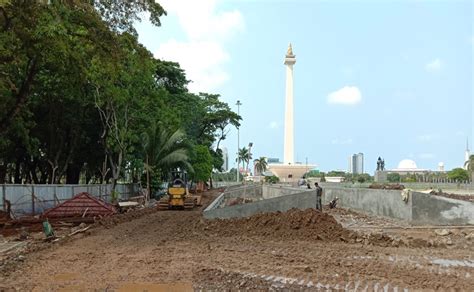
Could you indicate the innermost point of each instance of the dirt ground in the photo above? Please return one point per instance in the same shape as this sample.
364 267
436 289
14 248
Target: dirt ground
296 250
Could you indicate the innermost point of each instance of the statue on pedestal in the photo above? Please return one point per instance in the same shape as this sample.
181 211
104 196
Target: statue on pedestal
380 164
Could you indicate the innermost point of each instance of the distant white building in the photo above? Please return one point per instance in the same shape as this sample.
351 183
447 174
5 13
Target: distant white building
467 154
407 166
225 157
441 166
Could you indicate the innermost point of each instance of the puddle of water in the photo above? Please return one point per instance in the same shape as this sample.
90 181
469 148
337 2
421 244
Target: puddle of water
151 287
453 263
66 277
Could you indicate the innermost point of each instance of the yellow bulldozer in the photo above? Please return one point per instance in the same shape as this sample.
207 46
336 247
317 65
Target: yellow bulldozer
178 196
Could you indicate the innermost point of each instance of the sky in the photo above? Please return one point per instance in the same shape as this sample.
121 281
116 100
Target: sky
385 78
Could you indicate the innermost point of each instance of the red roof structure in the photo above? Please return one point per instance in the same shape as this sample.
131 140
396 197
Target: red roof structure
82 204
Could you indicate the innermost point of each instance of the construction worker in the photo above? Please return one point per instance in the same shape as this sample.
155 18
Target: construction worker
319 194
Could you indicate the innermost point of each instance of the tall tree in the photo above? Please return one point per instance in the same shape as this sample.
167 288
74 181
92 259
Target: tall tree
202 164
245 156
164 150
469 165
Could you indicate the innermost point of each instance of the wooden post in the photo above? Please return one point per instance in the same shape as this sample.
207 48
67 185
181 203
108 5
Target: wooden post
33 199
56 200
3 197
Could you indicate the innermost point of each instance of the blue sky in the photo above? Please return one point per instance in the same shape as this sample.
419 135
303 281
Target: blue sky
399 74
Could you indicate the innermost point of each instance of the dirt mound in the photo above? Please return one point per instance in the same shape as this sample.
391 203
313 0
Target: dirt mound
467 198
386 186
293 224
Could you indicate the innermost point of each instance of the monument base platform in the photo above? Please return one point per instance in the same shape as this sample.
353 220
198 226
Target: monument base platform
380 176
290 173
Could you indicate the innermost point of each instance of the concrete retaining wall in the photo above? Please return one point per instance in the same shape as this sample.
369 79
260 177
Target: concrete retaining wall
420 208
282 203
387 203
429 209
273 191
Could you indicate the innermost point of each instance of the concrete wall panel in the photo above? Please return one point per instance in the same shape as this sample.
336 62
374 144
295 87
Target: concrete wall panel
387 203
283 203
429 209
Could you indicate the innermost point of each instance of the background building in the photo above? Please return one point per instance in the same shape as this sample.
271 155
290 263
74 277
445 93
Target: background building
225 157
273 160
356 163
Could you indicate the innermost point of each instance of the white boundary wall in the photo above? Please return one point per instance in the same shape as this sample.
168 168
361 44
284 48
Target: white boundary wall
34 199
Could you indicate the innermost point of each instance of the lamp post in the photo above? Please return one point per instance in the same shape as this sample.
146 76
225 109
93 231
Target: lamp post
238 104
248 156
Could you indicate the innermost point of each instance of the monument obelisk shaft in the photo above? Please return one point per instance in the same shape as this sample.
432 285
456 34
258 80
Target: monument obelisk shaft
290 60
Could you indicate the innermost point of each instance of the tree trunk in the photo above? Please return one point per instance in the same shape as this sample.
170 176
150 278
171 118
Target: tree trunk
148 188
21 96
73 173
17 178
115 169
3 173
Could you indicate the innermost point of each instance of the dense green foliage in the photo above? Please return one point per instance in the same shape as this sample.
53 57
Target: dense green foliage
393 177
272 179
83 100
458 174
202 163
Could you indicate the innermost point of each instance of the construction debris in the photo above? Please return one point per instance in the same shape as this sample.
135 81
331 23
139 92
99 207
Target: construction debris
442 232
5 215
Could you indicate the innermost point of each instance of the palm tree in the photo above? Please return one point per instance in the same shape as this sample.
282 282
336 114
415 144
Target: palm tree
242 157
245 156
260 165
164 150
469 166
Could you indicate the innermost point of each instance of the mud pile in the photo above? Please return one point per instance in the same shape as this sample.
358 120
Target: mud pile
293 224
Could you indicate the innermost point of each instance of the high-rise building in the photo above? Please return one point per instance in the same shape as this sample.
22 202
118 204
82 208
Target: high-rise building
349 165
357 163
225 157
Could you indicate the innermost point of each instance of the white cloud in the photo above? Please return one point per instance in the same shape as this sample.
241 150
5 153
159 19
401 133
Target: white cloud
348 95
273 125
434 65
427 137
348 141
202 54
426 155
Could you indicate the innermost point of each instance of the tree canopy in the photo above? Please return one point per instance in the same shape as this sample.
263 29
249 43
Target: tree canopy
83 100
